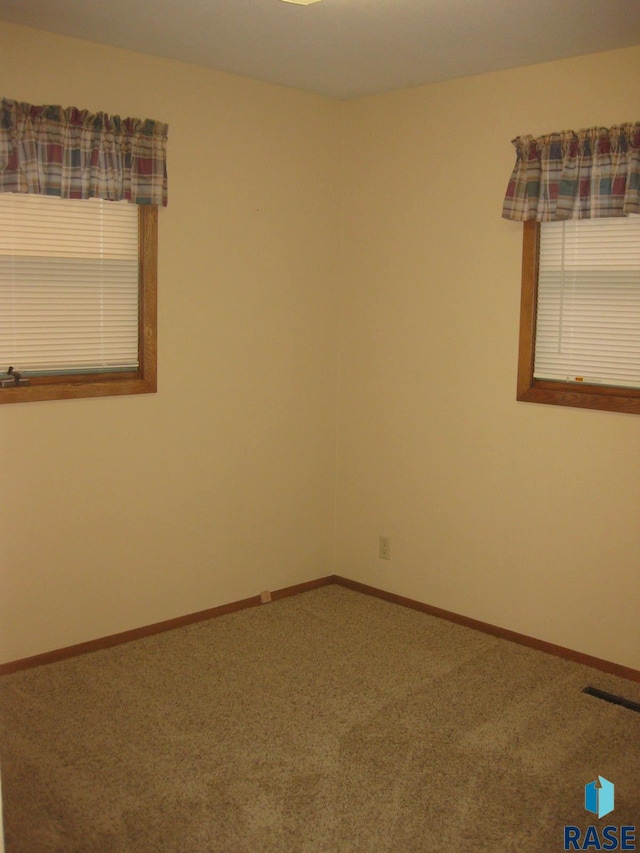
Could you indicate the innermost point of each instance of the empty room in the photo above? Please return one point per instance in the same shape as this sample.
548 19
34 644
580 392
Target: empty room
325 550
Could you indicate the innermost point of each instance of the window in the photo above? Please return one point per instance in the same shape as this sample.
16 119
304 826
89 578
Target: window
77 297
580 314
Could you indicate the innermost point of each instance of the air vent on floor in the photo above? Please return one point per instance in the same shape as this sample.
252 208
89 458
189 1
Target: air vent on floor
611 697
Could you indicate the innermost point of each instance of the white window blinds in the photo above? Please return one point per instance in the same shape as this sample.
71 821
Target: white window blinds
68 284
588 314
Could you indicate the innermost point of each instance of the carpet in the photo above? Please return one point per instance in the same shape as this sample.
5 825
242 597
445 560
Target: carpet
328 721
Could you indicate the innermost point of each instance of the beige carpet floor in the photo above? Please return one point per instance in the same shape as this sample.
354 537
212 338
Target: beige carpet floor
329 721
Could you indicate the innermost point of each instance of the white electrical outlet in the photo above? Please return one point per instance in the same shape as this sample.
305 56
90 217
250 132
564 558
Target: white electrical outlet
385 548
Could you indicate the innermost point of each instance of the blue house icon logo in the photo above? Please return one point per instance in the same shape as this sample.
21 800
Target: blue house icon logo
599 796
598 799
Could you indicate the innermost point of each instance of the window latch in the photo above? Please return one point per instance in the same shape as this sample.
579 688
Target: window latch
12 379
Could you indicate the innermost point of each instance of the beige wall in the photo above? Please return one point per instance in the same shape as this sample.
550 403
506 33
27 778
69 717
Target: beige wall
290 214
120 512
520 515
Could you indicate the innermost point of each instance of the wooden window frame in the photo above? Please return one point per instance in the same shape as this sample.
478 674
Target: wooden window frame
531 390
141 381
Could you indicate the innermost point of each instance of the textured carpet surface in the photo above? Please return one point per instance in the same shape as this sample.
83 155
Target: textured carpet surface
330 721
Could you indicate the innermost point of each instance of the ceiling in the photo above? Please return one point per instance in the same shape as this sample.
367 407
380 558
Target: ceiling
344 48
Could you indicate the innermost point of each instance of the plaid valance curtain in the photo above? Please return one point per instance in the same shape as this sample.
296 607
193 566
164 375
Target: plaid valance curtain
73 153
586 174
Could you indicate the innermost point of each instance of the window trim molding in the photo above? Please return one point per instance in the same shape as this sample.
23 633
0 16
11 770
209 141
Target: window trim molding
142 381
531 390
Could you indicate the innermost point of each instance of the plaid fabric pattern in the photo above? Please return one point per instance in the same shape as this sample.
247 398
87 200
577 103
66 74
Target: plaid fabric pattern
72 153
590 174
